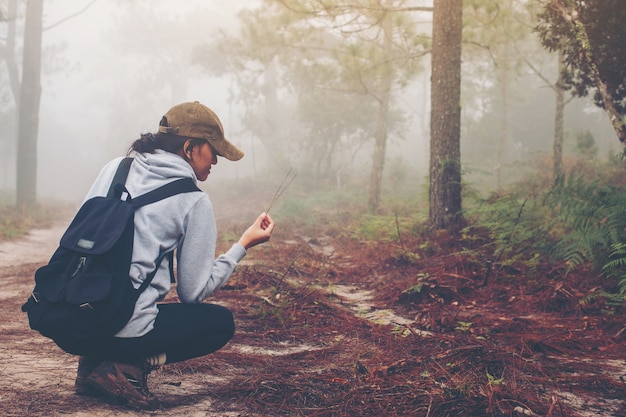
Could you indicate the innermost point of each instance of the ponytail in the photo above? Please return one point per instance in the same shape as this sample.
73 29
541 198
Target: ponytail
150 142
145 144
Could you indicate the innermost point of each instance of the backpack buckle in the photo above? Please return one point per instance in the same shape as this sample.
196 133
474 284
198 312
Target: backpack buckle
86 306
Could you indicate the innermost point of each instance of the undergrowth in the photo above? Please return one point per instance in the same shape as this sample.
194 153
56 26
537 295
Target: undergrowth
580 220
18 221
593 216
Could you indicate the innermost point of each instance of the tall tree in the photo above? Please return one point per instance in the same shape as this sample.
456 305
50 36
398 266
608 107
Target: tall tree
497 39
22 54
591 36
9 49
381 32
361 50
445 121
559 112
28 105
383 97
559 132
7 135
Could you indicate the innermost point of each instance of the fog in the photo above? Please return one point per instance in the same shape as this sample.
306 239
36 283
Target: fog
110 72
98 57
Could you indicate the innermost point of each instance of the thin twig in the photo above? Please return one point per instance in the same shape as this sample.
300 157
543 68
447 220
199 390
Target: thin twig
282 278
399 235
281 189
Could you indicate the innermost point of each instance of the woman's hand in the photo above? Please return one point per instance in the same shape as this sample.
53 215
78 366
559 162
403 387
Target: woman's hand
259 232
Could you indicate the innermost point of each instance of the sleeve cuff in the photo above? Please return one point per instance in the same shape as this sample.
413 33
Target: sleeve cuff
236 252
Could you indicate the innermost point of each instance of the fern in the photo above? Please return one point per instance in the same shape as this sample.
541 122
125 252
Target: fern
618 258
516 225
579 221
593 221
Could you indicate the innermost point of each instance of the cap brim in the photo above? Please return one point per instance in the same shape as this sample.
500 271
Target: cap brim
226 149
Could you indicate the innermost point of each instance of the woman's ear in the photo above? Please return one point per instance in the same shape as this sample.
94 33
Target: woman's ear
188 149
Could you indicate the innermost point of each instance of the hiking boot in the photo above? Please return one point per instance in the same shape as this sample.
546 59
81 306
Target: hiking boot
123 383
86 365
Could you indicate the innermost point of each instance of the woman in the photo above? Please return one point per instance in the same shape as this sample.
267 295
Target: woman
189 140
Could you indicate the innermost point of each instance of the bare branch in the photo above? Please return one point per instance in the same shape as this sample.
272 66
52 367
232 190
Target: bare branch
65 19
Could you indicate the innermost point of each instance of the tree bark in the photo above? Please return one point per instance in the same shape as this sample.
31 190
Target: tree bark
380 133
445 153
582 38
9 52
559 123
505 128
28 106
8 136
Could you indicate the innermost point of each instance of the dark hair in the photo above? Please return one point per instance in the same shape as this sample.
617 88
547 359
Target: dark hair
149 142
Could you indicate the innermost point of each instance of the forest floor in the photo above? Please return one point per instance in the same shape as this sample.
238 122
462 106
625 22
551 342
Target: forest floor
328 325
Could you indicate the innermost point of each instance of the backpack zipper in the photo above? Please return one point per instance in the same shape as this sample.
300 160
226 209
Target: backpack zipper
81 262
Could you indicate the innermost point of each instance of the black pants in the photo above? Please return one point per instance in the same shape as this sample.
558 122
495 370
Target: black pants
181 331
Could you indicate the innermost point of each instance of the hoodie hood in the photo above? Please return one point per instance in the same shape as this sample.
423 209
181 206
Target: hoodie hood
153 169
162 165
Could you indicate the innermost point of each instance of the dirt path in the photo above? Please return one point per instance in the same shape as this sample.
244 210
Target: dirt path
36 247
36 377
335 327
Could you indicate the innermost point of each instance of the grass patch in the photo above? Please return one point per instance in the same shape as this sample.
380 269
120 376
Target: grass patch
16 222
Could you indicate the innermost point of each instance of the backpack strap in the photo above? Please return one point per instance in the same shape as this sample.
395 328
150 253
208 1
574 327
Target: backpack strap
120 175
170 258
183 185
146 282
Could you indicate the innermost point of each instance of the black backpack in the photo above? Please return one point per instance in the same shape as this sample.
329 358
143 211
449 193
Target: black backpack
84 293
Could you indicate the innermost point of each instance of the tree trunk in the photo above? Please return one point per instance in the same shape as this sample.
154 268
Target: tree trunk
28 106
585 49
559 123
505 128
8 136
504 70
380 133
445 152
9 51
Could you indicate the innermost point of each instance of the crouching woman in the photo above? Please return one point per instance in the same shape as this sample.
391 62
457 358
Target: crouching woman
189 141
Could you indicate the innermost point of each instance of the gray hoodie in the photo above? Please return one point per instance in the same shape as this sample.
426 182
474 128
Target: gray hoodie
184 222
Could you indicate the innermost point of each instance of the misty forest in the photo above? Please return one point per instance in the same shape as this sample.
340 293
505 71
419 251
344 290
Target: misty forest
447 178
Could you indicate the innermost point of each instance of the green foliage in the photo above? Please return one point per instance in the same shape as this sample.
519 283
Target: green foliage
375 227
401 331
321 205
593 215
560 28
617 263
344 212
610 298
585 145
578 220
493 380
516 225
382 228
310 76
279 313
463 326
417 288
593 218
